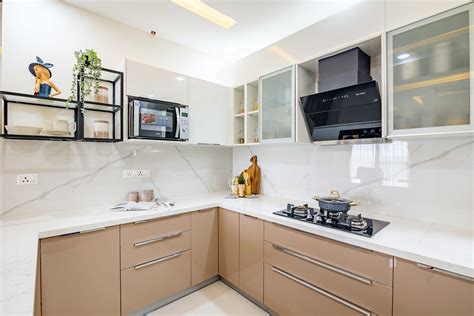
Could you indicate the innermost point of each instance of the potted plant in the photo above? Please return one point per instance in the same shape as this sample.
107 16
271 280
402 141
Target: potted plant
88 70
241 185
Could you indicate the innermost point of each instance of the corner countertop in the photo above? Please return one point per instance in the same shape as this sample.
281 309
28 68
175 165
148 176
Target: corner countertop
444 247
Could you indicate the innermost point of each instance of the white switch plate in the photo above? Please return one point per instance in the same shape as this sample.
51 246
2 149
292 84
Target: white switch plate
137 173
27 179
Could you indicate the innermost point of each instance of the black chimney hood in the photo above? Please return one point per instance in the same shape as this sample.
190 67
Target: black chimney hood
348 105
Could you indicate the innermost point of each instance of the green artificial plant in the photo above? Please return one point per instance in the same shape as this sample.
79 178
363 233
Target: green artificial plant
88 69
241 179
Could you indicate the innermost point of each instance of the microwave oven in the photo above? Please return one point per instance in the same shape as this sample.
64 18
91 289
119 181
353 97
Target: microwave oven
157 119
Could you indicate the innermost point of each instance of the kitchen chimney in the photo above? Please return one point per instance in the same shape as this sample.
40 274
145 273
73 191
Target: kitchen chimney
345 69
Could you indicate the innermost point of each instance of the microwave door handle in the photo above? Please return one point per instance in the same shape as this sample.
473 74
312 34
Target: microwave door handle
178 123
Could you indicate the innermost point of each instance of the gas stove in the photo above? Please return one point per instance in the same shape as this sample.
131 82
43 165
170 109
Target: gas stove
358 225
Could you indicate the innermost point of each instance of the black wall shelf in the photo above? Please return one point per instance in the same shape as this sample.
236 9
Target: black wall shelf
82 112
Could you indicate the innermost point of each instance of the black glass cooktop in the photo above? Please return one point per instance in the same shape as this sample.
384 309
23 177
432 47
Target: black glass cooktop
357 225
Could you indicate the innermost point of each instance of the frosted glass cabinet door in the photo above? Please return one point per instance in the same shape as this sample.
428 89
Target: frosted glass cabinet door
430 89
277 106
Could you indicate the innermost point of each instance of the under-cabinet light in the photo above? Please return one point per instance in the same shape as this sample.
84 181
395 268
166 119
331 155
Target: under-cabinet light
203 10
179 78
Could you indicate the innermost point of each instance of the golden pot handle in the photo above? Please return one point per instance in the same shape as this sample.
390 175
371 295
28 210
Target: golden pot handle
354 204
335 193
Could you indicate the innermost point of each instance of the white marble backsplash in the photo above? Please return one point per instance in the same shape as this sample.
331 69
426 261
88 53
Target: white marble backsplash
431 179
75 175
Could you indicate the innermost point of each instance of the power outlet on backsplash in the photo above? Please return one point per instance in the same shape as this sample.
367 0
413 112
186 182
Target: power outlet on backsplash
27 179
137 173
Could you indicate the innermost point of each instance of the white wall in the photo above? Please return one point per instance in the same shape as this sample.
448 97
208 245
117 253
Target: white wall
53 30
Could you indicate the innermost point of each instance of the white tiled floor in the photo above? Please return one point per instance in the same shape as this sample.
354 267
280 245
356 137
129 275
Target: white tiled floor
214 299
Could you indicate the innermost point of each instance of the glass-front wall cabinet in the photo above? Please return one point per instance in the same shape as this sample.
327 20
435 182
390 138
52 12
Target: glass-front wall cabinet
277 106
430 87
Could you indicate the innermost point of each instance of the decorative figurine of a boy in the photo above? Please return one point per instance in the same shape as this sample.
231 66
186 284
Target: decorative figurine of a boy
43 83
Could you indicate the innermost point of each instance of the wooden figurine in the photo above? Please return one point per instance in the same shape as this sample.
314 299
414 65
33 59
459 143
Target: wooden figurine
248 186
254 173
43 83
236 186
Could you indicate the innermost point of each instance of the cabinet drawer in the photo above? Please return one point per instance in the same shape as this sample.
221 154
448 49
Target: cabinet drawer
157 247
146 284
448 294
372 265
142 231
288 295
367 294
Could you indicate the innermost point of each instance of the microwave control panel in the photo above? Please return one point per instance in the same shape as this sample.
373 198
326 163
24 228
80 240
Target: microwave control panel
184 123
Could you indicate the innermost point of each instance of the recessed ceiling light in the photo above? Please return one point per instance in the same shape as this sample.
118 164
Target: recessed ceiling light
207 12
151 96
403 56
179 78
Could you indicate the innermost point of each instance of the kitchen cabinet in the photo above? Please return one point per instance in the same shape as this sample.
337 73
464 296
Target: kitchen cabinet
146 284
229 246
277 101
251 256
156 83
208 123
429 91
400 13
204 245
288 295
80 274
345 279
423 290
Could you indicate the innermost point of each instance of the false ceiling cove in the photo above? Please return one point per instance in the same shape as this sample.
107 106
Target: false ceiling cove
258 23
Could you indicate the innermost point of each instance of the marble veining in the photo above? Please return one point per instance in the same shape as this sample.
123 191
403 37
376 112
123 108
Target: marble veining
77 175
429 179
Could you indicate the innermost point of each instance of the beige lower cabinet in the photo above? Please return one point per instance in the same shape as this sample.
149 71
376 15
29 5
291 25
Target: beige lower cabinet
251 256
288 295
422 290
80 274
146 284
229 246
204 245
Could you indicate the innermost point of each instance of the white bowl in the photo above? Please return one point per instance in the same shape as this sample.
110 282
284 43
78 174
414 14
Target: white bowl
23 130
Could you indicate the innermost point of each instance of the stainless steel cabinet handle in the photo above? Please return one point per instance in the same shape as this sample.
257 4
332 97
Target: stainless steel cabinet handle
427 267
323 265
160 238
146 264
91 230
323 292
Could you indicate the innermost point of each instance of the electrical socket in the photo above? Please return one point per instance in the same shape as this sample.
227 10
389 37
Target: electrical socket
137 173
27 179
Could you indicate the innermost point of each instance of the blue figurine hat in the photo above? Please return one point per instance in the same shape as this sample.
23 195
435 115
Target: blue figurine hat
40 62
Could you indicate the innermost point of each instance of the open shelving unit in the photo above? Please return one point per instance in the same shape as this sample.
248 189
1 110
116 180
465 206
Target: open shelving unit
34 116
246 111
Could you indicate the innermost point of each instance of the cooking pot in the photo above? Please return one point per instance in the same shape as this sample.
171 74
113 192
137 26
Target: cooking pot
334 202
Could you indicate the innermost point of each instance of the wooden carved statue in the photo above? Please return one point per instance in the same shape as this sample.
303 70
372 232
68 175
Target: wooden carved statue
43 83
254 173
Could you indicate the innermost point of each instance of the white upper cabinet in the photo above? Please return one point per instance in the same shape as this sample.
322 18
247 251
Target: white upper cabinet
208 116
277 100
402 12
429 86
156 83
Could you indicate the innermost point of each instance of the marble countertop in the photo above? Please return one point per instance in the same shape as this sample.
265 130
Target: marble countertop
444 247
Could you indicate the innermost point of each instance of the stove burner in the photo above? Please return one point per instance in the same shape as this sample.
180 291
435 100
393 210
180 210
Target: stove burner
297 210
358 223
337 220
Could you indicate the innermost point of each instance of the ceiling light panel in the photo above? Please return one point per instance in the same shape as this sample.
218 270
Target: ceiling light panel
203 10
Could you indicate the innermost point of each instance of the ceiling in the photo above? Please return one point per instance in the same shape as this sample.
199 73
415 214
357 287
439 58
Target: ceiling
259 23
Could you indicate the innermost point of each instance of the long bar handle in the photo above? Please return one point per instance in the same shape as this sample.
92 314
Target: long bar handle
323 292
323 265
427 267
146 264
160 238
